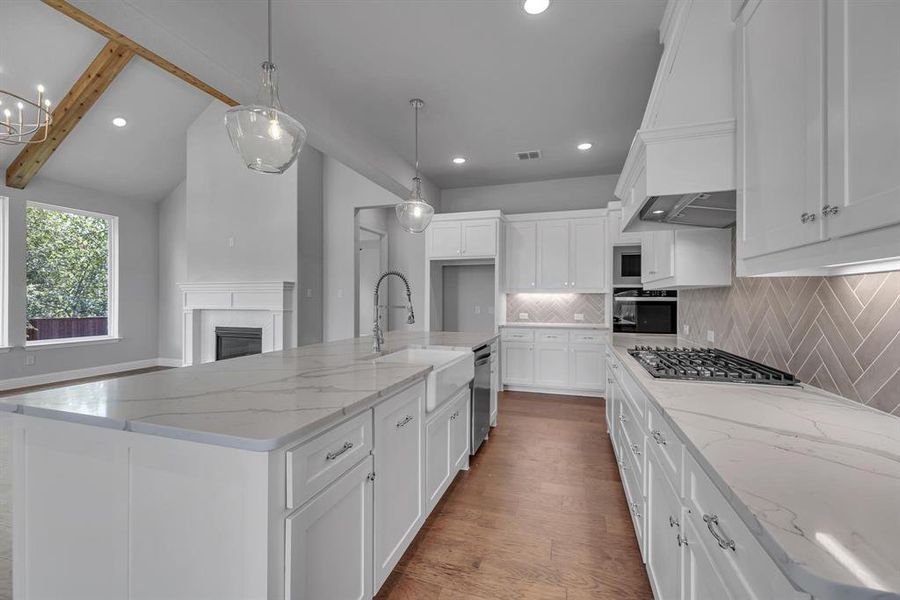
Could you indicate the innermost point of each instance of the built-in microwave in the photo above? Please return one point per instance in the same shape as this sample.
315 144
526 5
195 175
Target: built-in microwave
636 310
627 265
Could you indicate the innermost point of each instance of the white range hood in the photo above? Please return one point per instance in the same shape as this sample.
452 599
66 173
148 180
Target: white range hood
680 170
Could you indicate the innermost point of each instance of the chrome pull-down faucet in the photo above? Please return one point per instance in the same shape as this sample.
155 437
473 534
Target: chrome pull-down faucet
377 333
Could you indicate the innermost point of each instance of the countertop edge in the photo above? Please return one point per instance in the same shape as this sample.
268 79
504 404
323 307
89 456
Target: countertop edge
800 577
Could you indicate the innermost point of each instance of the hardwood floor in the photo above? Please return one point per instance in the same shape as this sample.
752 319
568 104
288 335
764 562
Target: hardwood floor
541 514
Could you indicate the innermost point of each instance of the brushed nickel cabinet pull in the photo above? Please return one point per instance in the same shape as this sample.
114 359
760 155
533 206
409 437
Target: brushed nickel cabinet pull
336 453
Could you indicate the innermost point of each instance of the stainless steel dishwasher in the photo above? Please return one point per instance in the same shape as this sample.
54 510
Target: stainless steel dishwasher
481 398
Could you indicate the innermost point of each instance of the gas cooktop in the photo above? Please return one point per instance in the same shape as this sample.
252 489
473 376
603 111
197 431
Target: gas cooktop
707 364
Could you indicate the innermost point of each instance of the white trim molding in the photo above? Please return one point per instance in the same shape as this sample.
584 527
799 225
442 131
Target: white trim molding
4 272
265 304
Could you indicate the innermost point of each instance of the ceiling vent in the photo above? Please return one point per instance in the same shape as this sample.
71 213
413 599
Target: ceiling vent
528 155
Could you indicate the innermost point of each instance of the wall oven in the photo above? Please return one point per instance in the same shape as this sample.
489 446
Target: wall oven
636 310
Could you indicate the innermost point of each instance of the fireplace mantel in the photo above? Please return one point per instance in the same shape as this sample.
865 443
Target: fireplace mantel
265 304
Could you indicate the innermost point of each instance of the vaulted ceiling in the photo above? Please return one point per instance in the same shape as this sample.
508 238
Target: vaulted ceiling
144 160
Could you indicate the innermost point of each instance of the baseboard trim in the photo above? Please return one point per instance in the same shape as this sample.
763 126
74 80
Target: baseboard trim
557 391
169 362
58 376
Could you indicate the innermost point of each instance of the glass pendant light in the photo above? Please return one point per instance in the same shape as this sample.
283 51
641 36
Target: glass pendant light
267 138
415 214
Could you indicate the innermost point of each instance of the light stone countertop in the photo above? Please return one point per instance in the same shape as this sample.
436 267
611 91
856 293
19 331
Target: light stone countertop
816 478
555 325
256 402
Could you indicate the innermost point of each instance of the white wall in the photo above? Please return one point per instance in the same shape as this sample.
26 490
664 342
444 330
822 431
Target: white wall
241 225
345 191
406 253
138 246
309 246
172 271
538 196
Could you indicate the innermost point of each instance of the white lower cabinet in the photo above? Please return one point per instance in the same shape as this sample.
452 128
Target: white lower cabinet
551 365
558 360
664 540
700 580
400 468
693 543
459 432
328 541
587 367
518 363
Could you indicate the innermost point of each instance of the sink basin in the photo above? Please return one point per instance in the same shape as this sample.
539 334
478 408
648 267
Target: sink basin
452 370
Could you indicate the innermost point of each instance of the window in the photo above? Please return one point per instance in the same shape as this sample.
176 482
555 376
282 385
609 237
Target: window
70 275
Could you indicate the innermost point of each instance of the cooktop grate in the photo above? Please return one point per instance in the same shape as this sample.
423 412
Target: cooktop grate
707 364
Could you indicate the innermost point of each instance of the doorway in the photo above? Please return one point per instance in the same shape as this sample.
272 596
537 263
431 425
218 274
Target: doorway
372 258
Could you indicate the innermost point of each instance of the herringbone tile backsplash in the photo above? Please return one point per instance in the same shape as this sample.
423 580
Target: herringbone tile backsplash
556 308
836 333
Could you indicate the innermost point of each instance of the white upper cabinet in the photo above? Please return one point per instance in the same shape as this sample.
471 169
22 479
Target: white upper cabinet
863 115
444 240
818 137
463 235
614 229
553 255
781 129
587 255
521 256
686 258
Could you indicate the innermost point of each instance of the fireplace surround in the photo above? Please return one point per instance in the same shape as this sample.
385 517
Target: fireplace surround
267 306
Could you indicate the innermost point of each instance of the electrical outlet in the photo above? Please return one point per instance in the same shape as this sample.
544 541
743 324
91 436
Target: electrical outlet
29 359
340 293
231 242
710 336
309 292
579 316
687 329
477 310
523 316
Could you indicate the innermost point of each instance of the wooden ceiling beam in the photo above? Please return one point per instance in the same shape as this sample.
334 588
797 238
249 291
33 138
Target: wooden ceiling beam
84 93
113 35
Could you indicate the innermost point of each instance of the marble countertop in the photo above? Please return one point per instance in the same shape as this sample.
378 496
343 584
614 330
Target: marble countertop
815 477
256 402
556 325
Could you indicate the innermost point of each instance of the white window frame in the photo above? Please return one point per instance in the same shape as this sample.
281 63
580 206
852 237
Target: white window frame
112 317
4 274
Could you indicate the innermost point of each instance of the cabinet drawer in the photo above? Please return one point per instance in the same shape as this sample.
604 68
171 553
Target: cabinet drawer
632 441
744 567
630 391
669 447
517 335
314 464
634 498
586 337
552 336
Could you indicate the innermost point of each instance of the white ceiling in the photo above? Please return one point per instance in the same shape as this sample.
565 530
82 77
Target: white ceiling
495 79
144 160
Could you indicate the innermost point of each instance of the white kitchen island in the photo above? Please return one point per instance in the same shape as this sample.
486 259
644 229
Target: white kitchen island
252 478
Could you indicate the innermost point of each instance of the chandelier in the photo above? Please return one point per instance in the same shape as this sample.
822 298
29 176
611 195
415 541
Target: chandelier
414 214
267 138
24 121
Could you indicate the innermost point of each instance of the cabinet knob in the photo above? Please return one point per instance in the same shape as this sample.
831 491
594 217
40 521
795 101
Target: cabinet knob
682 540
807 217
829 210
532 284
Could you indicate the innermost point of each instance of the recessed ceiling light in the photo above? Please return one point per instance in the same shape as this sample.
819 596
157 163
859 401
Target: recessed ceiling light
585 146
459 160
657 212
119 122
535 7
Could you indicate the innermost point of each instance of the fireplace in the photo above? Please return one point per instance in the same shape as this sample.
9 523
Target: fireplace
232 342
